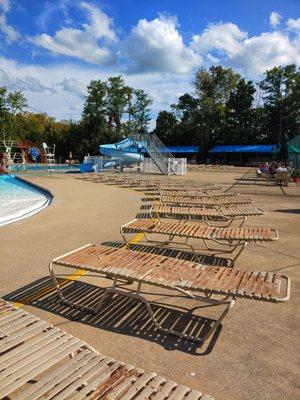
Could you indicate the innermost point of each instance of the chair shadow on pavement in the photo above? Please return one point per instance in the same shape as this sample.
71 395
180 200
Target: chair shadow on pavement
120 314
289 211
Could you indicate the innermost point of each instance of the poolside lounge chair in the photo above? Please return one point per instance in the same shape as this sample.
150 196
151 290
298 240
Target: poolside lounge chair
232 240
40 361
223 214
193 280
198 193
283 178
204 201
182 186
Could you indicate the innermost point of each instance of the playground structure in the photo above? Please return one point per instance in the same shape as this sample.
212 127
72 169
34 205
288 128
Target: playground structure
138 149
23 152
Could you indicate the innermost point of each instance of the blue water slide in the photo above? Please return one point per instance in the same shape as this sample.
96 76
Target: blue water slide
128 150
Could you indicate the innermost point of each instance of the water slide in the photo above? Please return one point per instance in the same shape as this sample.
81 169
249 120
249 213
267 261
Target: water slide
128 150
131 151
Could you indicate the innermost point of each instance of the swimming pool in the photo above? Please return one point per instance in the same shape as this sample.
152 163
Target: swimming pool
43 168
19 199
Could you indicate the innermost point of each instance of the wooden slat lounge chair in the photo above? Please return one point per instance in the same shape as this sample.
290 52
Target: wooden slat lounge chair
40 361
223 214
181 186
283 177
232 240
193 280
204 201
198 193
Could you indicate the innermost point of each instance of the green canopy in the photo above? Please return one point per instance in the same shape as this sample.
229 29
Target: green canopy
293 149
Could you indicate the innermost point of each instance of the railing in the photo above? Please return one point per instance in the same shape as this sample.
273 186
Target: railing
177 165
157 150
153 141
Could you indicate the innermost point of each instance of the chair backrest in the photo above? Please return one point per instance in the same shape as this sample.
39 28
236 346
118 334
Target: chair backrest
283 176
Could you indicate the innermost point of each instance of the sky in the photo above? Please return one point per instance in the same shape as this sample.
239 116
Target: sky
52 49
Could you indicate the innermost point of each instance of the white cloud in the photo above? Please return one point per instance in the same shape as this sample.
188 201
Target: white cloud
223 37
82 43
274 19
5 5
59 90
49 11
226 44
157 45
100 24
264 52
73 85
26 83
10 33
293 24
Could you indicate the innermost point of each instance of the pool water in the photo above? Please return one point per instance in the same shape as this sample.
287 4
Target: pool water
19 199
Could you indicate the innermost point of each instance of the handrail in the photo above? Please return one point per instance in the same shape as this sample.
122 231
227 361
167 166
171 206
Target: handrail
152 140
162 153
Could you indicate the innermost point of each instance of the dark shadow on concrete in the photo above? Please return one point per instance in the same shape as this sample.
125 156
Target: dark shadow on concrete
290 211
120 314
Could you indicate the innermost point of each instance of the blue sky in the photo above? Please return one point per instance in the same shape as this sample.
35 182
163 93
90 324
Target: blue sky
51 49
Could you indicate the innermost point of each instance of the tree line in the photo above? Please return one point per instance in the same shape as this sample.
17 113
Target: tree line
111 111
224 108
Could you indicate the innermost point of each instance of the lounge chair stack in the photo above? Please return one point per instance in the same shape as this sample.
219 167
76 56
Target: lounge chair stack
40 361
157 266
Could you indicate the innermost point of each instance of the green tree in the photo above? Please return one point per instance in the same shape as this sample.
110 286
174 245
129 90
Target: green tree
166 127
188 111
3 109
281 96
116 102
16 102
141 110
240 115
93 127
213 88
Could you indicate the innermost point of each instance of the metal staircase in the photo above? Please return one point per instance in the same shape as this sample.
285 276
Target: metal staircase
158 152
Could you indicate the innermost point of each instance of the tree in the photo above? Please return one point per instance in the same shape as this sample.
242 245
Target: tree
166 127
141 110
3 109
188 111
116 101
239 124
213 88
16 102
186 108
93 127
281 95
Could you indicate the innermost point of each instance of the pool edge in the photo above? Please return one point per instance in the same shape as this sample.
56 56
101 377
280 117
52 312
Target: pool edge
49 198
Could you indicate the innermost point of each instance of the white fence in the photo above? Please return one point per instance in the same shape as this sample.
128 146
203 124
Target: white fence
176 166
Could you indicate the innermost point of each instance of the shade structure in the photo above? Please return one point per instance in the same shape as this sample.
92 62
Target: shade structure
254 148
184 149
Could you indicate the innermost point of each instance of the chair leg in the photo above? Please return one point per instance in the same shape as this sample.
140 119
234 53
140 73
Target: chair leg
63 298
139 297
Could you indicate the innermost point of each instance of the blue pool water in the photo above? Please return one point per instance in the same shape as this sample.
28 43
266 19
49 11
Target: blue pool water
19 199
43 167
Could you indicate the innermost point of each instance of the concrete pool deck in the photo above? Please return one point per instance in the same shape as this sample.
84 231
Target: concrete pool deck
254 356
